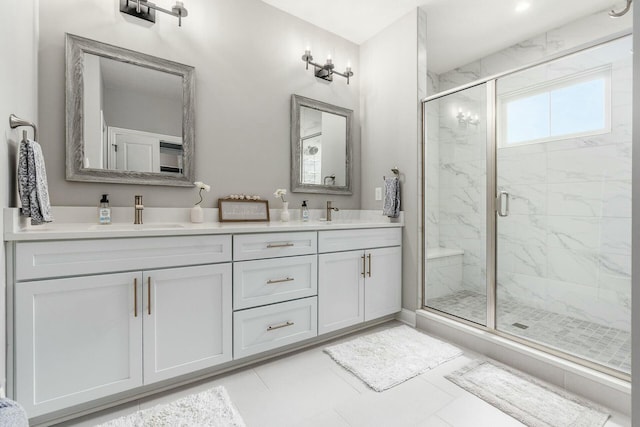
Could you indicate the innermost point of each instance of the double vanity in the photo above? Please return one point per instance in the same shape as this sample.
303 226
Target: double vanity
99 314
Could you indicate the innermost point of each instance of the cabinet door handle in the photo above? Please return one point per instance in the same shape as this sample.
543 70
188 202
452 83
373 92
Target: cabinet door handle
279 245
149 295
284 325
288 279
364 266
135 297
369 257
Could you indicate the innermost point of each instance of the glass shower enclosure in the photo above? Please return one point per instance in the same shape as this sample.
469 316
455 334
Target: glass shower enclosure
528 205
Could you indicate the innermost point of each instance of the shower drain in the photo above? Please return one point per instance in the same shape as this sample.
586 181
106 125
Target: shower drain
520 325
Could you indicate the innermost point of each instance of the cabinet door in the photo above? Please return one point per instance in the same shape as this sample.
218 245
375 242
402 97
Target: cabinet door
77 339
340 290
383 283
187 320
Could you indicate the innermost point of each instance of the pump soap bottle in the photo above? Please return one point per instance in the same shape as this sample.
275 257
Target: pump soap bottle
104 212
305 211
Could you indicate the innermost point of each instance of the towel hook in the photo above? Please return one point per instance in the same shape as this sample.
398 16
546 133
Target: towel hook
395 171
15 121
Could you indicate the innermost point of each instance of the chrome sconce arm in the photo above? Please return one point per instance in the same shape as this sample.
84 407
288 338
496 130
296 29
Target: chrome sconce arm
144 9
327 70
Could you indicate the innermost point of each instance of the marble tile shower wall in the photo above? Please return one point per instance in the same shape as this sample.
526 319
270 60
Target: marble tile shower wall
462 184
574 34
566 245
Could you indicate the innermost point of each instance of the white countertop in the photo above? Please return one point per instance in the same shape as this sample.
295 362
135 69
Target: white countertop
81 223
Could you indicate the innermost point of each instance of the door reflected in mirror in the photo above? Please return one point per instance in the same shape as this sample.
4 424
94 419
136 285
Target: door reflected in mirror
321 147
323 140
132 117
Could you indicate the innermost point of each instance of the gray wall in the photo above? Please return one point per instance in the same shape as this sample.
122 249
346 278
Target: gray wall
390 131
635 244
247 60
17 95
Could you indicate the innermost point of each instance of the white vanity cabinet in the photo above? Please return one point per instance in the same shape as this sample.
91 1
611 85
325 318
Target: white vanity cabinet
358 281
81 338
186 320
77 339
275 301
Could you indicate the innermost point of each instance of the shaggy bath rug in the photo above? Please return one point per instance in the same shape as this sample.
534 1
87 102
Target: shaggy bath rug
527 399
387 358
209 408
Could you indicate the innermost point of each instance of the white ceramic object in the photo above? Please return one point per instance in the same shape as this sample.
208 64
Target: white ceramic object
197 215
285 215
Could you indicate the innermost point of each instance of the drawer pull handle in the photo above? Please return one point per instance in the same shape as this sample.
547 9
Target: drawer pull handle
279 245
288 279
364 266
284 325
135 297
369 256
149 294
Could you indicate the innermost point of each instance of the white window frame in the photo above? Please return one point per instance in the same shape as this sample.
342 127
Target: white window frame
504 99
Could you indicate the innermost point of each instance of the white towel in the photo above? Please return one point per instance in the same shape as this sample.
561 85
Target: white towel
391 207
32 183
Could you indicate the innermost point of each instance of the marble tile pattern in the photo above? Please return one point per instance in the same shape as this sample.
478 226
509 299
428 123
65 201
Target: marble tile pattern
568 36
565 247
444 275
598 342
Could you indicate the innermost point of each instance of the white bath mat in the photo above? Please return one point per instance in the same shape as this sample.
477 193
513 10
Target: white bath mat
209 408
387 358
527 399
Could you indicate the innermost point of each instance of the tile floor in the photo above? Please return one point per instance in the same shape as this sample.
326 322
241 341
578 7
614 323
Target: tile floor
592 341
308 389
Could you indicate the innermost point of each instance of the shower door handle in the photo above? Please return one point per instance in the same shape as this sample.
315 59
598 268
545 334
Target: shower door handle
502 203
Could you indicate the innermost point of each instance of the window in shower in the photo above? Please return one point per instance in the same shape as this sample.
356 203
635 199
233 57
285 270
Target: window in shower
562 108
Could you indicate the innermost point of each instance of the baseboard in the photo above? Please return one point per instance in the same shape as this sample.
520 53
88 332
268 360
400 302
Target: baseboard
407 316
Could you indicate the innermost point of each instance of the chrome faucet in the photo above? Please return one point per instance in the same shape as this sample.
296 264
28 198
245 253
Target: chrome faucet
139 207
330 209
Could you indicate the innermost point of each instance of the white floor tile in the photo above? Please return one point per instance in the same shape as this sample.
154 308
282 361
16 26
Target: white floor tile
403 405
470 411
308 389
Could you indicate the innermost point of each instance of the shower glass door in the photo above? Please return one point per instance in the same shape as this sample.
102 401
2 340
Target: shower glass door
563 174
455 204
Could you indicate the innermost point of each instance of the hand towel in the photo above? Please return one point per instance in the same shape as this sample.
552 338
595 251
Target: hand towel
391 207
32 183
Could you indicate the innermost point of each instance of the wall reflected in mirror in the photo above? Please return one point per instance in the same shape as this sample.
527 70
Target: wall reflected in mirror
132 117
324 140
321 147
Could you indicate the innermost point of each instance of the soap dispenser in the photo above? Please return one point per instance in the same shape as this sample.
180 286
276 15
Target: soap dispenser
104 212
304 211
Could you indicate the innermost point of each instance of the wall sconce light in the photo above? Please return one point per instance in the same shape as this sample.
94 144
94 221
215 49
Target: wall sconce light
467 119
325 71
146 10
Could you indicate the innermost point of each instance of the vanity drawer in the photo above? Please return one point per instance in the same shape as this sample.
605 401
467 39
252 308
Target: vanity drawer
348 240
36 260
272 245
264 328
268 281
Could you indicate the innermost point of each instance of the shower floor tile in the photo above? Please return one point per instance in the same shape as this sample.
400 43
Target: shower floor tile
595 342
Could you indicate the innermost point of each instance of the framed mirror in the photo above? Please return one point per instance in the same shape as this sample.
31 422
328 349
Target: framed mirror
321 147
129 116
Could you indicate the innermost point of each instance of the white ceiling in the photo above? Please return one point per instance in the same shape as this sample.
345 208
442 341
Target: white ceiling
458 31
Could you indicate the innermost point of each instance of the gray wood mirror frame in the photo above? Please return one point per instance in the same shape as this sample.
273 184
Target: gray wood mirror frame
321 147
129 116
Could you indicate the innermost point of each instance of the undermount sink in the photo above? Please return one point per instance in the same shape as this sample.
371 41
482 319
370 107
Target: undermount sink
128 227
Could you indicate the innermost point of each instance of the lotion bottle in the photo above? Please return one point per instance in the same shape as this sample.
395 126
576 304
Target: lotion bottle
104 212
304 211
